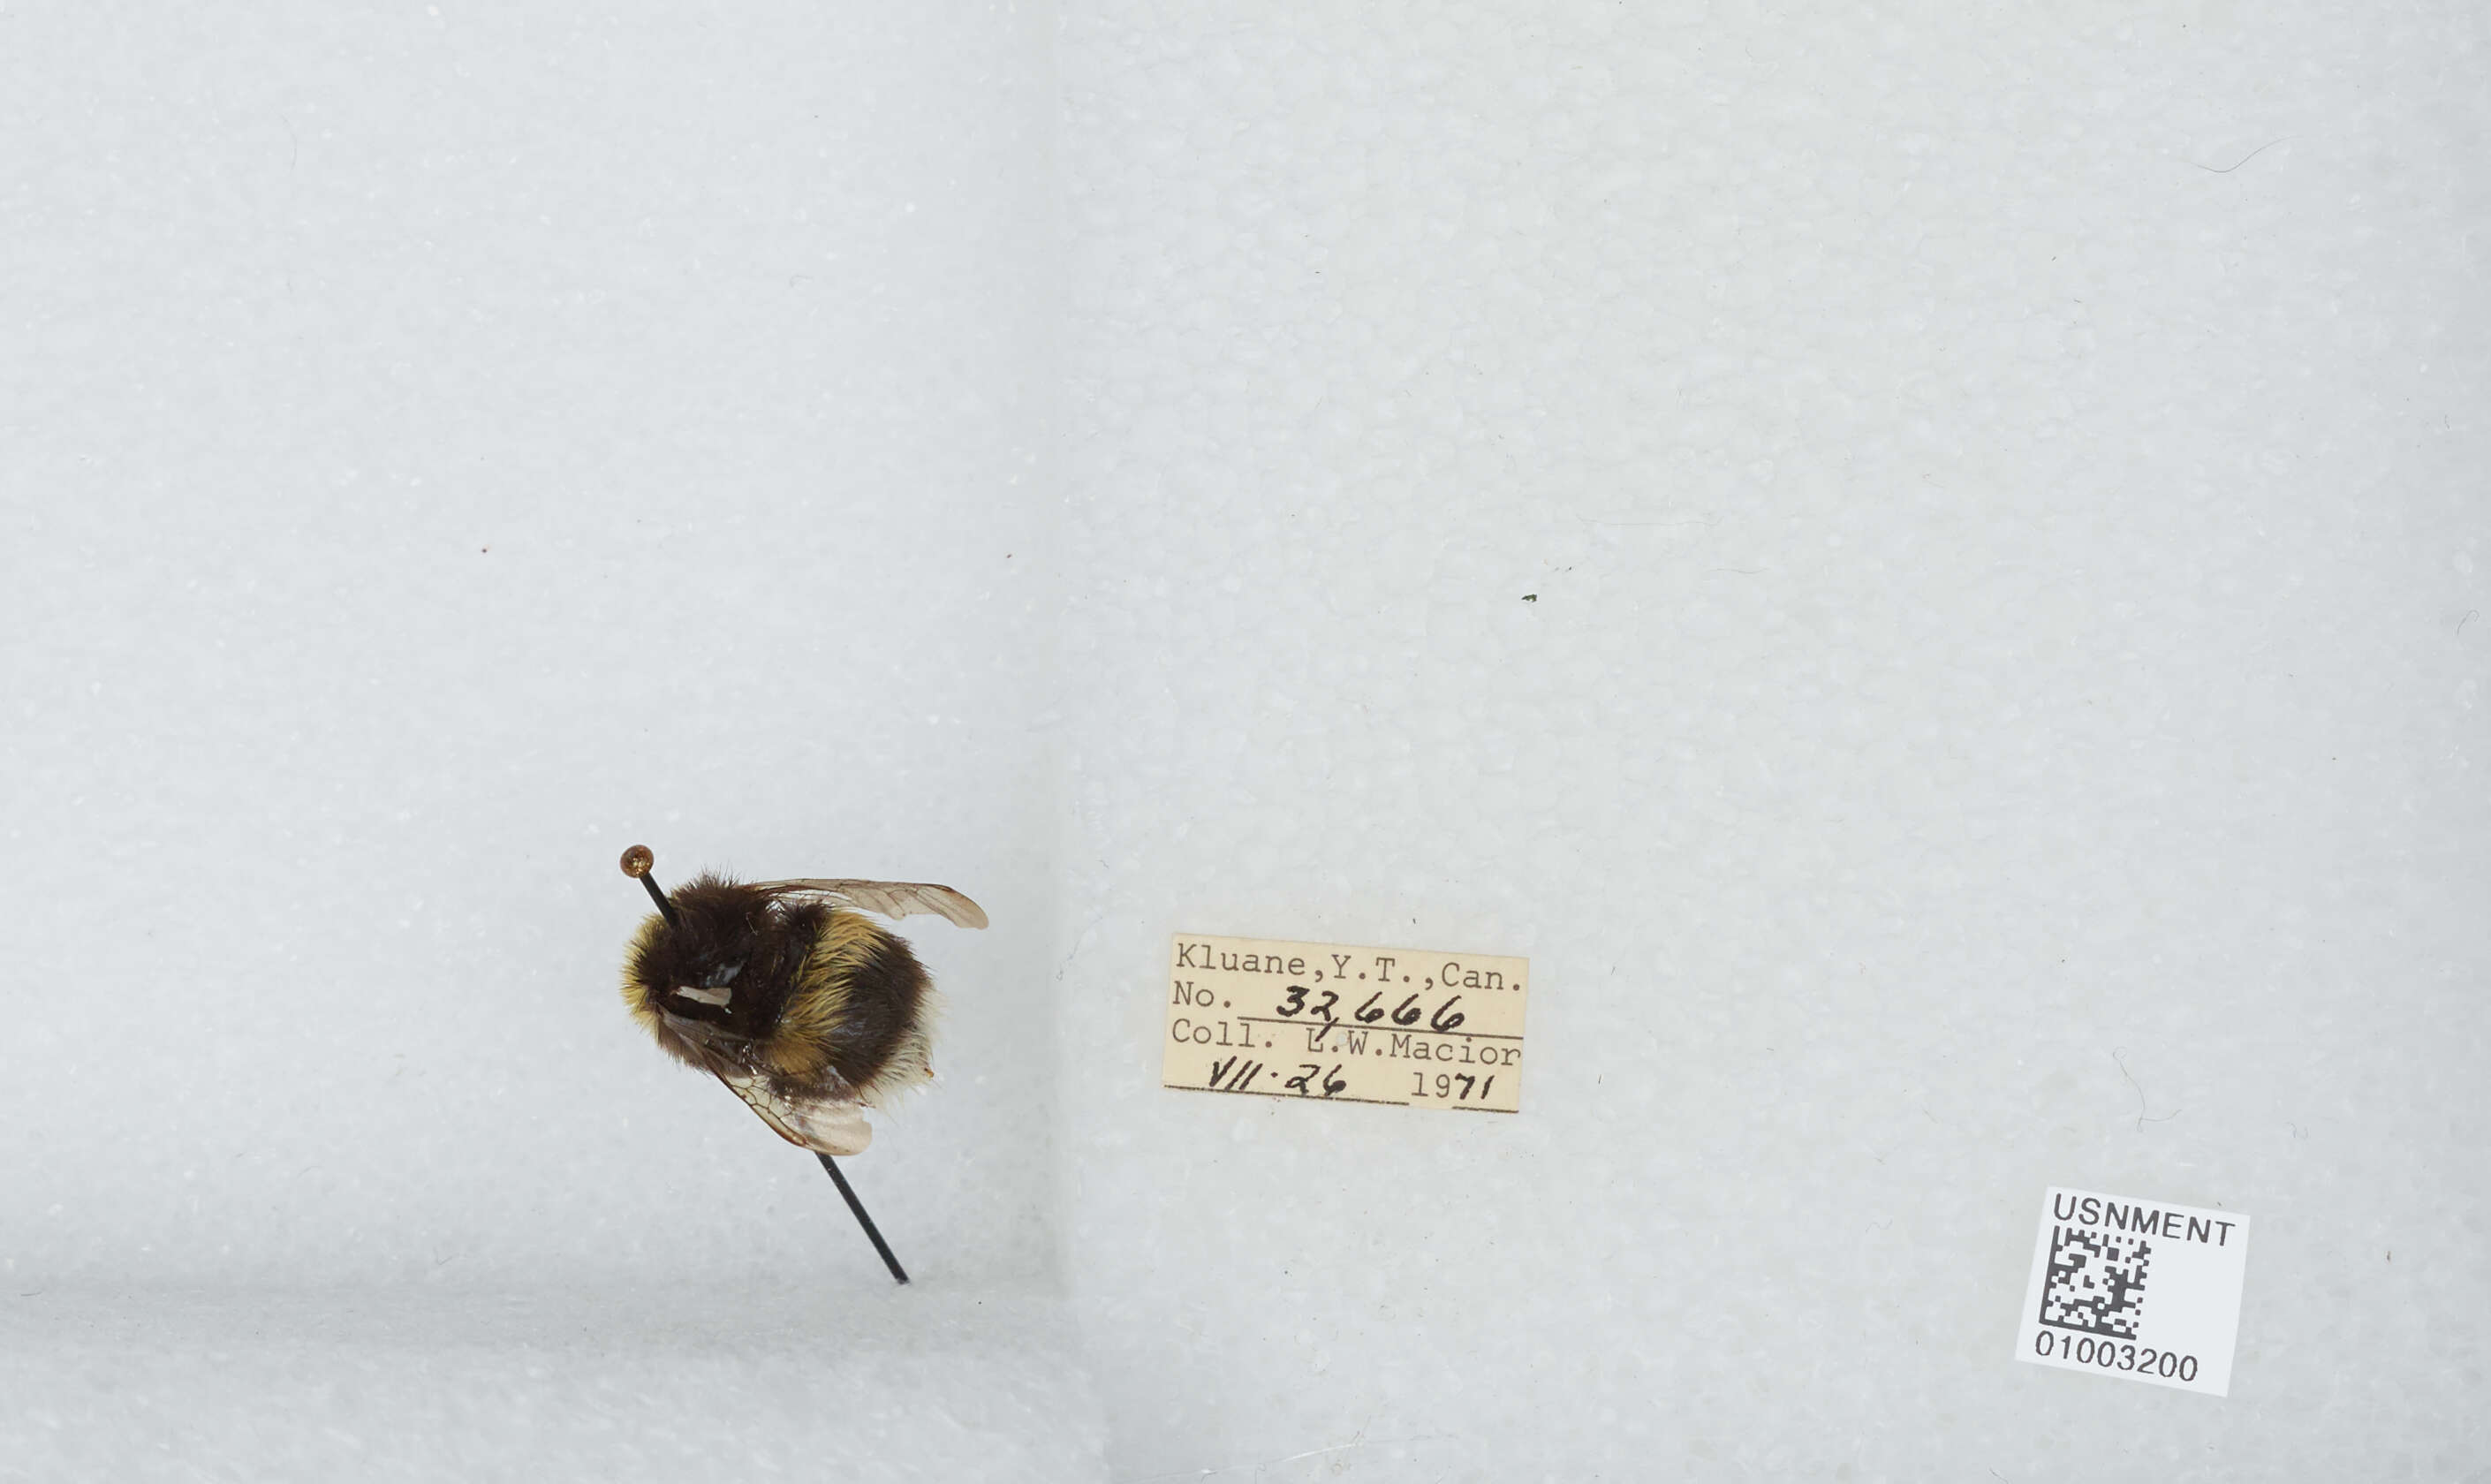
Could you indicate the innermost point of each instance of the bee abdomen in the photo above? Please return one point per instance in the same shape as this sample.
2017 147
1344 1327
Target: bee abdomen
858 1009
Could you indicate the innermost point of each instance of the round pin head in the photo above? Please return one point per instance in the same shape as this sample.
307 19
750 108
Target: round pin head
637 861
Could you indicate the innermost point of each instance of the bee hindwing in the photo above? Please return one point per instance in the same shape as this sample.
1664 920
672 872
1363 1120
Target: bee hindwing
831 1125
890 898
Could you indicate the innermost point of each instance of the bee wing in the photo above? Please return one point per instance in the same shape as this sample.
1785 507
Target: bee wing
830 1124
890 898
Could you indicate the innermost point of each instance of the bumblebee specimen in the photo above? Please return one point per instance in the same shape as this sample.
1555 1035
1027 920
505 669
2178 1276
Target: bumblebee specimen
807 1009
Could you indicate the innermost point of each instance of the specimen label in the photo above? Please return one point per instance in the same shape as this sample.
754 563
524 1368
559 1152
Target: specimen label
1416 1028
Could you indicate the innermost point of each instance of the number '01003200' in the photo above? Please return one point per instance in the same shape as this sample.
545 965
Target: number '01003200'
2114 1355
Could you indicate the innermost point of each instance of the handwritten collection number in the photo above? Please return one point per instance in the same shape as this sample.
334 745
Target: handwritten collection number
1446 1018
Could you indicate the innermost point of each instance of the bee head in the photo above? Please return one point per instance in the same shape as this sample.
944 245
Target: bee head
683 973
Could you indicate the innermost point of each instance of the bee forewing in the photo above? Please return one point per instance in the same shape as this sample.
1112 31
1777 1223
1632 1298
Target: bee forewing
890 898
831 1125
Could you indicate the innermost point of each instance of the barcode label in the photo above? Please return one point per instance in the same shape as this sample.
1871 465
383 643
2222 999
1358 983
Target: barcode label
2139 1289
2096 1282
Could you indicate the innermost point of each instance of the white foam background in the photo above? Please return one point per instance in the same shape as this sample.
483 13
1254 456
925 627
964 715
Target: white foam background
2000 563
2001 706
441 445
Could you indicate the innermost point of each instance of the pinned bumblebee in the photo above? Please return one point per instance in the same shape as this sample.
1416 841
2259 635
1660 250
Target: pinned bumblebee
784 991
